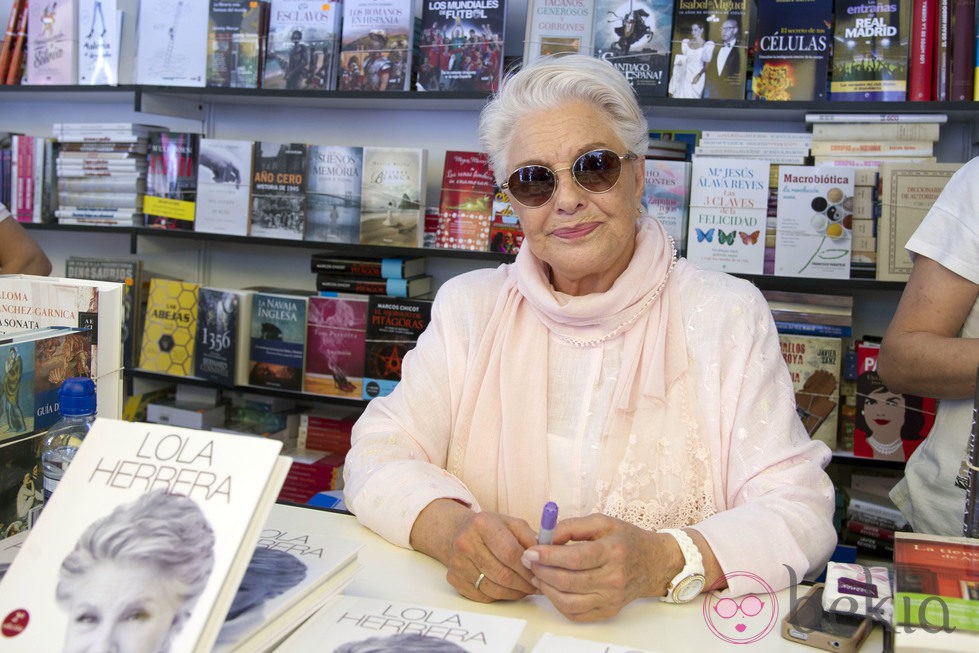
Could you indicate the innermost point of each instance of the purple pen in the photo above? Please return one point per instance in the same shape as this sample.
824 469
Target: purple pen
548 520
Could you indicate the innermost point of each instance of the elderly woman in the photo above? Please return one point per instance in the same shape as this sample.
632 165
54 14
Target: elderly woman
647 397
132 580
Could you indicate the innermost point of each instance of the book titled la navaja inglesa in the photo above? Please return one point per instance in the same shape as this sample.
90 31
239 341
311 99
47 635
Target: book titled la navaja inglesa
149 520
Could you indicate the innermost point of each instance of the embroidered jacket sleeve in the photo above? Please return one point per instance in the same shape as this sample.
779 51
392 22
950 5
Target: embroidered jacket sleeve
395 466
774 501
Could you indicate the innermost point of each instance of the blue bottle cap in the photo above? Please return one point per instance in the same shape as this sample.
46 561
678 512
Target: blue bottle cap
77 396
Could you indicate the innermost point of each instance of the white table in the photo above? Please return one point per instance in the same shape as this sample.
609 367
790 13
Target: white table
390 572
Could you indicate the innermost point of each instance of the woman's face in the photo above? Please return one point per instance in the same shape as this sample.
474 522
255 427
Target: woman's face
586 238
126 607
883 411
696 30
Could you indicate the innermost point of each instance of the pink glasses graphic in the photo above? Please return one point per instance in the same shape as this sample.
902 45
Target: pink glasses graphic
750 606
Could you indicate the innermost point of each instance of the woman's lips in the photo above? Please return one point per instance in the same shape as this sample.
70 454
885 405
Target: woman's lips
576 231
882 422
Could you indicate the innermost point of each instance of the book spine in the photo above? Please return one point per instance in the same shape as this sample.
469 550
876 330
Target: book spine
17 55
883 513
877 117
963 50
871 148
10 36
341 266
869 544
808 329
360 286
941 56
920 63
873 132
870 530
875 519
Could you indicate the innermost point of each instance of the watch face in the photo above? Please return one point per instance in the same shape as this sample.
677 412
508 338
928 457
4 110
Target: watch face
688 588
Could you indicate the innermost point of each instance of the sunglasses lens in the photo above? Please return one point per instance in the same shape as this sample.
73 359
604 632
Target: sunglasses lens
726 608
751 605
597 171
531 185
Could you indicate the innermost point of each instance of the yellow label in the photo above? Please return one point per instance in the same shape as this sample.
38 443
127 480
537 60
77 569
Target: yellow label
168 208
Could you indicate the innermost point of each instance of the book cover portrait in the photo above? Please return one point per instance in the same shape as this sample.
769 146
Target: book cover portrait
335 356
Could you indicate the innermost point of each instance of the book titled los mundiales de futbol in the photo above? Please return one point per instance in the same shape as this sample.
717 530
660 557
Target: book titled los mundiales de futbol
393 327
874 64
635 38
461 47
278 339
233 35
279 190
333 191
181 509
335 352
793 44
727 216
303 45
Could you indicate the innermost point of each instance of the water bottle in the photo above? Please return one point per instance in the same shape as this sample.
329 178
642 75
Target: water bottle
76 399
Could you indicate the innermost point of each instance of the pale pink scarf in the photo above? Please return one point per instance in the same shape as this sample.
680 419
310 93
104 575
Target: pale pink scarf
505 390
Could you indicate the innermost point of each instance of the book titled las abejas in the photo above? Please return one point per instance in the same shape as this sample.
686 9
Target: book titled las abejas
352 620
149 520
870 60
634 36
461 46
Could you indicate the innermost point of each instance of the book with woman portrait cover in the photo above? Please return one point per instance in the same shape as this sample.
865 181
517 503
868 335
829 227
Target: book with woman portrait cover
793 44
696 68
336 329
392 204
635 38
148 519
297 566
354 620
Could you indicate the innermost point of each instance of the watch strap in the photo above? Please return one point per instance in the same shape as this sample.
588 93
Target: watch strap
693 567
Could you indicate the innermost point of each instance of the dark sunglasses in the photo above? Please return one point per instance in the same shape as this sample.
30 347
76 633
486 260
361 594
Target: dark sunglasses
595 171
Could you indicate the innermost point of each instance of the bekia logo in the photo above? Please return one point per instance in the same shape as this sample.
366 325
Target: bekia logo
744 619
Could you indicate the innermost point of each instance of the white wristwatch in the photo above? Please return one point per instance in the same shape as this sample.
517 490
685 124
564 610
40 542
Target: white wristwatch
686 585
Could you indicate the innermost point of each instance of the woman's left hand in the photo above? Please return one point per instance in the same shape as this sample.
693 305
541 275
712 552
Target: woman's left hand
599 564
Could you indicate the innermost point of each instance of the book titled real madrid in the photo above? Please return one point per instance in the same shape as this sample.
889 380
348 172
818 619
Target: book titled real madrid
159 518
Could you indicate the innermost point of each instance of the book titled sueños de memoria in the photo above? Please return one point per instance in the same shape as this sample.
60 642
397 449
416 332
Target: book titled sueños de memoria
375 46
223 335
870 58
233 34
727 218
333 191
793 44
278 339
461 46
814 222
279 190
555 27
170 327
335 352
635 38
392 196
393 327
157 518
224 173
353 620
303 45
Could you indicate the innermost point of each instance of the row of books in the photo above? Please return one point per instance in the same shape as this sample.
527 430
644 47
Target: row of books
356 45
331 344
821 49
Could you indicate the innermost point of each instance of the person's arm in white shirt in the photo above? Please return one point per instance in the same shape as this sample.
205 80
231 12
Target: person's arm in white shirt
18 251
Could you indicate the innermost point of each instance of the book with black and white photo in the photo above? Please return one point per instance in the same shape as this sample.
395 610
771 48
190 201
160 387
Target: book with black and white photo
158 517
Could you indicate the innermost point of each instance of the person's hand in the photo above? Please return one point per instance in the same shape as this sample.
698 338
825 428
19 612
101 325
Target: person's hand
599 564
490 544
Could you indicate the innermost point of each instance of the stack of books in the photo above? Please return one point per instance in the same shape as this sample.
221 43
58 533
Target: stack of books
101 173
872 520
394 276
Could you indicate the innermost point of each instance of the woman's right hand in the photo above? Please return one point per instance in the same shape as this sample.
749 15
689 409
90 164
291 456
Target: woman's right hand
472 543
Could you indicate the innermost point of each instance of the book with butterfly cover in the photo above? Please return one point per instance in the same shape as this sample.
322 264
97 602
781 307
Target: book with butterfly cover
149 520
728 206
813 236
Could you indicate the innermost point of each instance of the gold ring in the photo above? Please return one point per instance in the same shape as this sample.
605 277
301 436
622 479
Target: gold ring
479 580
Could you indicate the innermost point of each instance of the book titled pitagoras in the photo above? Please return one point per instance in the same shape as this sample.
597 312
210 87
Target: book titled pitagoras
157 518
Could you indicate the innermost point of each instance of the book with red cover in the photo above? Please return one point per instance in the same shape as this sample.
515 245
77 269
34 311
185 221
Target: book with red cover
465 202
335 332
889 425
943 47
9 38
393 328
15 68
920 61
